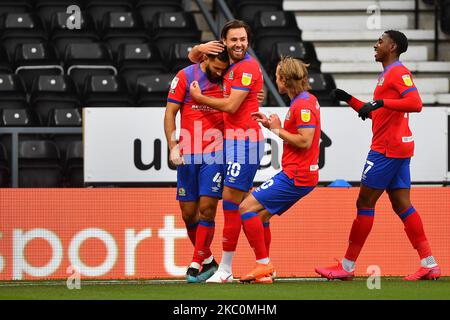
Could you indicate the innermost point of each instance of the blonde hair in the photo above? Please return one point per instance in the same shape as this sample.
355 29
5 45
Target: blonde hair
294 73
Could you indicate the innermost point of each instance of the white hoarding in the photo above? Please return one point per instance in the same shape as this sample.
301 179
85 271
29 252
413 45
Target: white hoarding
128 145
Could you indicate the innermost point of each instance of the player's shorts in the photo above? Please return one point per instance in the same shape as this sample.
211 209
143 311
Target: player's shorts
242 159
279 193
196 179
381 172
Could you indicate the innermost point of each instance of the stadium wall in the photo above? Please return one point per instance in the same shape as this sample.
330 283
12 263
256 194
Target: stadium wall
138 233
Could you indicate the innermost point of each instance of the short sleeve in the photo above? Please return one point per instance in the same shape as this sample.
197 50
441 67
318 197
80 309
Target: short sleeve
401 80
177 91
304 118
245 76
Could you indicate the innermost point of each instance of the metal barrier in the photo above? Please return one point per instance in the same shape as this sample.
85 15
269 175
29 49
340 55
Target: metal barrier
15 132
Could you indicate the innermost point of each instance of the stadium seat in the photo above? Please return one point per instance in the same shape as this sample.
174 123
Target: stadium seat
136 60
61 36
122 28
98 8
51 93
106 91
15 6
247 10
73 166
149 8
153 89
4 167
5 66
174 27
85 59
34 59
321 86
445 16
19 118
12 92
39 164
178 57
273 27
300 50
65 118
45 9
20 28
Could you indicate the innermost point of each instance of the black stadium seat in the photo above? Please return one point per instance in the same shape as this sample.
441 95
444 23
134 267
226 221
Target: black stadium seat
173 27
98 8
445 16
178 56
304 51
153 89
45 9
51 93
19 118
322 84
20 28
61 36
34 59
136 60
73 166
12 92
15 6
4 167
85 59
65 118
5 66
39 164
106 91
247 10
149 8
121 28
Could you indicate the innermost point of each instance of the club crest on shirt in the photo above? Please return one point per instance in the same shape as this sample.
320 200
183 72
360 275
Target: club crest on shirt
246 79
380 81
305 115
231 75
407 80
174 83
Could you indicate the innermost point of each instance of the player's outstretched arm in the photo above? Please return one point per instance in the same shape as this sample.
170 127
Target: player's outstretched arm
302 139
411 102
341 95
230 104
211 47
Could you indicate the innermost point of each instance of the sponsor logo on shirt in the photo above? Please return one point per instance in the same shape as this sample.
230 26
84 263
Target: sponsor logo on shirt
246 79
305 115
201 107
231 76
407 80
313 167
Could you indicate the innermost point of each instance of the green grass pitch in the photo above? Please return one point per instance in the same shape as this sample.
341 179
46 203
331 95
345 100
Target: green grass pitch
283 289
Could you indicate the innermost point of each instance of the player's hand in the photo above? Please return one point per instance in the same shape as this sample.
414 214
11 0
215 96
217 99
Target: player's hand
212 47
274 122
341 95
175 156
261 118
194 90
368 107
261 96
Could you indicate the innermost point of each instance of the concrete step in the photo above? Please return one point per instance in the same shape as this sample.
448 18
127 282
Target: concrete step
357 23
367 86
326 5
336 35
365 54
443 99
364 67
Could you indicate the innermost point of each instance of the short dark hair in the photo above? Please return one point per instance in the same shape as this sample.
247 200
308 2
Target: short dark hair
236 24
223 56
399 39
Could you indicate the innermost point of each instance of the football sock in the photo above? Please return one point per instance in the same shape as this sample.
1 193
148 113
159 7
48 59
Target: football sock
232 225
191 231
415 232
227 260
254 231
194 265
263 261
205 234
348 265
267 236
208 260
428 262
360 231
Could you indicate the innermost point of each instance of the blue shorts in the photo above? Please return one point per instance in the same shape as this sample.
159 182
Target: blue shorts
242 159
279 193
385 173
196 179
